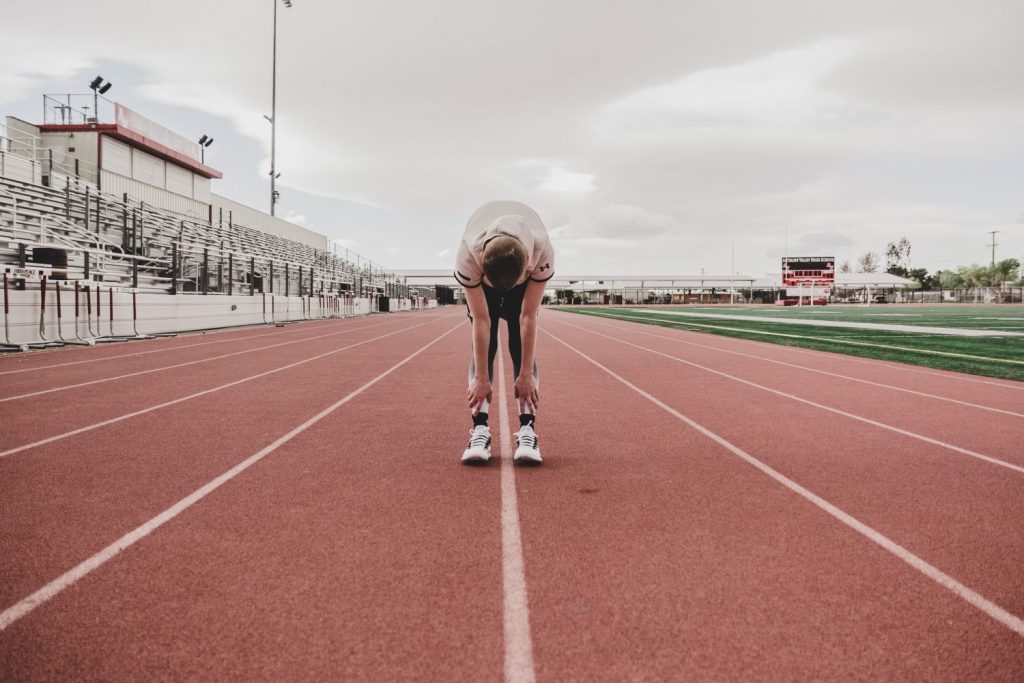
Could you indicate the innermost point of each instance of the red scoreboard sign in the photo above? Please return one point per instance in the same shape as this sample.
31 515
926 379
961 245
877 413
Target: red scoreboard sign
807 271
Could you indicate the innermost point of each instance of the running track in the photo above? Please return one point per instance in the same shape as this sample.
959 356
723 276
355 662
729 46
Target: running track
287 503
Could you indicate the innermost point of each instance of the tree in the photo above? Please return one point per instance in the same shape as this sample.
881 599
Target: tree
923 279
897 257
975 275
1007 270
949 279
845 267
868 263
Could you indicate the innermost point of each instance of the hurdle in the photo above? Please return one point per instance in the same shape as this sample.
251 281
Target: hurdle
45 343
110 337
8 345
135 320
78 341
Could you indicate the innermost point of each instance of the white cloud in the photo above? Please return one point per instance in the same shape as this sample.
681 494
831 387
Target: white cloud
442 253
649 140
784 88
296 218
561 180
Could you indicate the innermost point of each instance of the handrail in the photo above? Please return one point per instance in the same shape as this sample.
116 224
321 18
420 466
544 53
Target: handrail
85 234
14 200
167 230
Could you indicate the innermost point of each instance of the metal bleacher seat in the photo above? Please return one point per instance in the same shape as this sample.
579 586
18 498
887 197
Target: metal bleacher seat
126 241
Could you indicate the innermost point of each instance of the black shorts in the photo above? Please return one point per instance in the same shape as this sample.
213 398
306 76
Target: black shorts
503 305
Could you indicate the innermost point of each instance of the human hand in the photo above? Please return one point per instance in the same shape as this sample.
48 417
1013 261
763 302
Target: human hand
479 391
527 391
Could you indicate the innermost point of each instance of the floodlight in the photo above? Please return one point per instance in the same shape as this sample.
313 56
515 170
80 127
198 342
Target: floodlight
202 140
105 88
96 83
209 142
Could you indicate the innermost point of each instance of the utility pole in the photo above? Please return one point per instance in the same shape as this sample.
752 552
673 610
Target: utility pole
273 114
994 244
732 276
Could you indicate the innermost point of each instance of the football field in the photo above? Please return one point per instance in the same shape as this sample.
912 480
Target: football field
980 340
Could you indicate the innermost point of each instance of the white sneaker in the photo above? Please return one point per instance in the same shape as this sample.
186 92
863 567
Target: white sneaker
479 449
527 448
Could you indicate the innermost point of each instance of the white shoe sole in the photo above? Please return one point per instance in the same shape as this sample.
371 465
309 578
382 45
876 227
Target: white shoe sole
476 455
526 454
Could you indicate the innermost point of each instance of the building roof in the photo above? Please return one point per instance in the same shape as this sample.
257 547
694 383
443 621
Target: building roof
136 139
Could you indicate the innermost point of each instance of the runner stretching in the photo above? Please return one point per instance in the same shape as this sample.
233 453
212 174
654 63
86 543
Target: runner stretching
504 262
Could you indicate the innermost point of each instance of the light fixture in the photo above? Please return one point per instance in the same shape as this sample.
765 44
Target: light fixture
98 87
204 142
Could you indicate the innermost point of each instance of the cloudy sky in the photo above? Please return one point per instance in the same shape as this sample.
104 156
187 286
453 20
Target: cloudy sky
650 135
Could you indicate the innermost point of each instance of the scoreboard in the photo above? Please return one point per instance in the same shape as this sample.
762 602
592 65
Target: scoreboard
802 275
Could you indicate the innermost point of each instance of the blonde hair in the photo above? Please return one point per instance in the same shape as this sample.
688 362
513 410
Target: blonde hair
504 262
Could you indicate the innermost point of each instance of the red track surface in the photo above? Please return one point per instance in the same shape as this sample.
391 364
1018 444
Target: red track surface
356 546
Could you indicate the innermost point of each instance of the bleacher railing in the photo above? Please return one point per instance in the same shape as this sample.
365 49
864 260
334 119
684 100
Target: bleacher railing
124 240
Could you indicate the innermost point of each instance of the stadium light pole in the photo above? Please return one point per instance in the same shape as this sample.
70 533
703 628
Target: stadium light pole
99 87
273 114
204 142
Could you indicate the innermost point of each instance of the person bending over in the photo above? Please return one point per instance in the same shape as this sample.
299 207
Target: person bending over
504 263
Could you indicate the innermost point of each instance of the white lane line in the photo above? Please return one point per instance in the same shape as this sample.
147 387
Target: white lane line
812 322
823 372
1011 621
204 392
866 420
26 605
902 367
187 363
838 340
516 613
143 353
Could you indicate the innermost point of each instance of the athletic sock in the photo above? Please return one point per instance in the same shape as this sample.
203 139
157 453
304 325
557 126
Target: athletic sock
480 420
526 420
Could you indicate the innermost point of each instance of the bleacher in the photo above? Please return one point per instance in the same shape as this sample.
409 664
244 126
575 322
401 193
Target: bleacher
84 234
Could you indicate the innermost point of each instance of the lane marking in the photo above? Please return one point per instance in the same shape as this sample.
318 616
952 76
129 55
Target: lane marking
824 372
191 362
53 588
225 331
516 612
834 340
1011 621
950 374
866 420
819 322
143 353
204 392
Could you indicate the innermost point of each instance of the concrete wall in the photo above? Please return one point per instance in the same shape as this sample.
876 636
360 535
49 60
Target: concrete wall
82 145
157 313
17 151
23 135
19 168
251 218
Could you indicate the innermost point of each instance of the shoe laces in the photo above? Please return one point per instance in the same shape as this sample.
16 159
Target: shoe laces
479 436
527 437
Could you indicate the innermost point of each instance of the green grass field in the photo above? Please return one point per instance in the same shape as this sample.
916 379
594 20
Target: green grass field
1001 357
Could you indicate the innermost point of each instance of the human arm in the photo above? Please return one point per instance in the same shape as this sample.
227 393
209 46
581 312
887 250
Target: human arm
480 384
526 385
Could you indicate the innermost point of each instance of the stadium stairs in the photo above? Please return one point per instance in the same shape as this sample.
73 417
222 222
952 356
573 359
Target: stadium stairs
155 270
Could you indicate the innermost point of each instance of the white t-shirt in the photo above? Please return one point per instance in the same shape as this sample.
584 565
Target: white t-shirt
504 218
